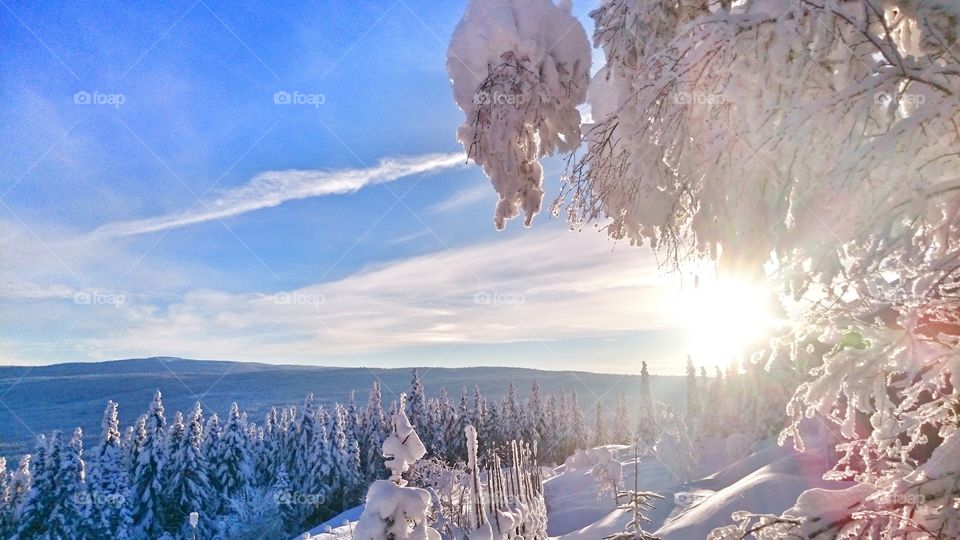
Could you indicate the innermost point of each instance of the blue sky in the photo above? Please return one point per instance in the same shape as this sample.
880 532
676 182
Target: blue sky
156 200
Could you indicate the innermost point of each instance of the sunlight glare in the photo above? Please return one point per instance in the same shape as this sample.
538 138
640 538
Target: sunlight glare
721 318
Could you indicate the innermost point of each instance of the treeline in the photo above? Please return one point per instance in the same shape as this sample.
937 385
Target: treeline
298 467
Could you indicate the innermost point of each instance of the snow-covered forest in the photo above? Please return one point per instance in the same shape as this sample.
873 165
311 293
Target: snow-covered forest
298 466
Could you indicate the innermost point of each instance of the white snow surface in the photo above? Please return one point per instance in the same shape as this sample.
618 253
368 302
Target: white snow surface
768 479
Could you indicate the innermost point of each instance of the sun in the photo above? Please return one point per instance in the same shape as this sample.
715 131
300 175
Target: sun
722 318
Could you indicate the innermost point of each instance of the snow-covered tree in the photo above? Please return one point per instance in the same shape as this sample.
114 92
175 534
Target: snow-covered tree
145 483
230 460
674 449
374 431
57 504
185 483
7 510
417 406
16 487
622 430
393 510
692 411
312 467
600 436
71 517
577 427
345 460
647 431
108 481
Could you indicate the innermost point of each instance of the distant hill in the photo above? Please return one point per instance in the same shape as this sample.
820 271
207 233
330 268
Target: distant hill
62 396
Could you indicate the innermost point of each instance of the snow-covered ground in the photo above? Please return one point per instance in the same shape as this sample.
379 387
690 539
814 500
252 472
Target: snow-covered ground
729 477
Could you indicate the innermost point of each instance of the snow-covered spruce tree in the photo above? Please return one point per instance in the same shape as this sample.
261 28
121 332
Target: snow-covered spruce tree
58 502
458 446
511 418
73 514
145 483
692 411
374 431
345 463
535 419
830 127
577 427
109 482
230 461
674 449
393 510
417 407
647 431
600 436
186 487
14 487
38 501
312 468
7 510
622 426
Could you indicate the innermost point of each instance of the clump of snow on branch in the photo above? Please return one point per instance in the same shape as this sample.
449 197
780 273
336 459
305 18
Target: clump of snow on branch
519 70
393 510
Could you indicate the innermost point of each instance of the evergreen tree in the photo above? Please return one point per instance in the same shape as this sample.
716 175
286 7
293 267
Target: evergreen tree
417 404
71 517
622 432
21 480
38 501
231 457
578 425
647 431
186 486
313 468
345 462
6 508
599 428
109 481
693 395
373 433
212 432
146 487
534 418
511 416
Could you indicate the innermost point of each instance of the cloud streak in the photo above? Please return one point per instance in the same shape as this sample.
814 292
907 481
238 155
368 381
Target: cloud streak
273 188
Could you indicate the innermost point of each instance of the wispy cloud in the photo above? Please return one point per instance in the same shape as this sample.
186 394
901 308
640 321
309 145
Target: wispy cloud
509 291
464 198
273 188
